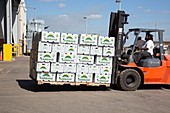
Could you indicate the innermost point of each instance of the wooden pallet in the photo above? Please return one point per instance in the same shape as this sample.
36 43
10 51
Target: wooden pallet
72 83
55 83
91 84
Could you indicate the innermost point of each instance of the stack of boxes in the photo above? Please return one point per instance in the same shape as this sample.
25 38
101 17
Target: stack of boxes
65 57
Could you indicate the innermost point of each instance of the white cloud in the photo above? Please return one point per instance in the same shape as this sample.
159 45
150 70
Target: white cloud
63 16
61 5
140 7
94 16
147 10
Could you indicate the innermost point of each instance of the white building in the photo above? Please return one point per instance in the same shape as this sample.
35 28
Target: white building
12 21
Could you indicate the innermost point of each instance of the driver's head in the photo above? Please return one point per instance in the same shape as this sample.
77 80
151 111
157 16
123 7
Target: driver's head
149 37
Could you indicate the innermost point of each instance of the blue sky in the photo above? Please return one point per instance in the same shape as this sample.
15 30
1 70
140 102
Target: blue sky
67 15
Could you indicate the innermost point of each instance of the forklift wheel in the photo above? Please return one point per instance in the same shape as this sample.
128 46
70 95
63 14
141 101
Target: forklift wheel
129 80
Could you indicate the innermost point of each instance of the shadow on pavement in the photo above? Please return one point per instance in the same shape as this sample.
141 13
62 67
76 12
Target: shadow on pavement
146 87
31 85
154 87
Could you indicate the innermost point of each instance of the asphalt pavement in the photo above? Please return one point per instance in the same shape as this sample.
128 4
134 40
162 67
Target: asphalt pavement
19 94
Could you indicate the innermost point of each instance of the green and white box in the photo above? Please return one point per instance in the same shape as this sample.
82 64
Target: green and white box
82 68
50 36
102 78
106 69
104 60
84 77
46 76
108 51
44 47
85 59
70 68
83 49
106 41
96 50
69 38
67 58
58 48
70 48
43 67
94 68
47 57
65 77
57 67
88 39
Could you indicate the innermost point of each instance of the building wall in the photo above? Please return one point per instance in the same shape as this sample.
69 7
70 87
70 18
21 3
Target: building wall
2 14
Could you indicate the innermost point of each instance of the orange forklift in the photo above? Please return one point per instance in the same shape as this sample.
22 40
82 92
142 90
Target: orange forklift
126 73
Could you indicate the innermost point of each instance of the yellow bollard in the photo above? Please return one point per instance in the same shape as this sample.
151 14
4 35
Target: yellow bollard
7 52
17 49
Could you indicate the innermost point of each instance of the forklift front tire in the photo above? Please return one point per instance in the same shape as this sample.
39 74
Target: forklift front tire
129 80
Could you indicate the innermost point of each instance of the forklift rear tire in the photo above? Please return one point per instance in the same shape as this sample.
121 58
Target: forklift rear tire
129 80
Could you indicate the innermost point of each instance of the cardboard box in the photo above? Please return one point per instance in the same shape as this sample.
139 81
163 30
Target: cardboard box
85 59
70 48
94 69
82 68
96 50
65 77
71 68
69 38
106 69
58 48
46 76
102 78
67 58
50 36
44 47
106 41
83 49
104 60
47 57
43 67
57 67
108 51
88 39
84 77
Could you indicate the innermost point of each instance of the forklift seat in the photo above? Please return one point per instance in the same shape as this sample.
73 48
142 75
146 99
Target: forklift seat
150 62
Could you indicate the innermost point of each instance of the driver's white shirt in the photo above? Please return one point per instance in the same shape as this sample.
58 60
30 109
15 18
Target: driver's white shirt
150 45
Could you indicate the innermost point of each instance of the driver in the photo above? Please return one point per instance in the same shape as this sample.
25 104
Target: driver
146 50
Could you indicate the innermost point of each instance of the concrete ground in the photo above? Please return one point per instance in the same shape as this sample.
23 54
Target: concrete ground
19 94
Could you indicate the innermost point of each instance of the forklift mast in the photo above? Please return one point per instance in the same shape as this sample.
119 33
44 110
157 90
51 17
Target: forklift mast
116 29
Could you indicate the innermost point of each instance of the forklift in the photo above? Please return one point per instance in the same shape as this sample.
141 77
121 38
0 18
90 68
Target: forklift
128 75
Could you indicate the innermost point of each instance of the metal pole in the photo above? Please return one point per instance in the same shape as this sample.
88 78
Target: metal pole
9 21
85 18
120 4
